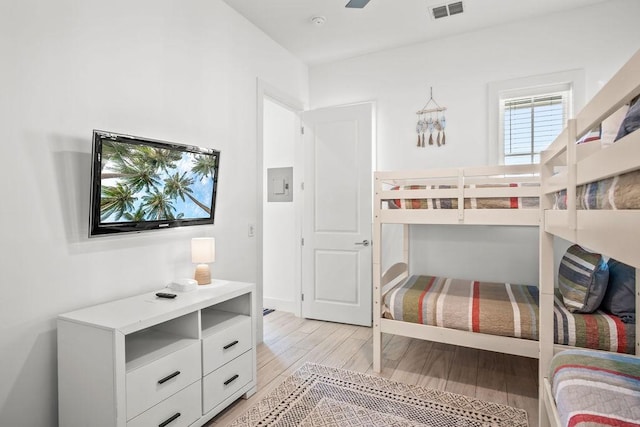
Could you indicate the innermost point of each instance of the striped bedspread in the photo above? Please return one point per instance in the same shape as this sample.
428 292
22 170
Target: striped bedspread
469 203
500 309
597 330
593 388
618 192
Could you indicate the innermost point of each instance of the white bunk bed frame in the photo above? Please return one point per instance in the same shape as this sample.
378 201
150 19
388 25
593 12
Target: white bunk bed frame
464 179
615 233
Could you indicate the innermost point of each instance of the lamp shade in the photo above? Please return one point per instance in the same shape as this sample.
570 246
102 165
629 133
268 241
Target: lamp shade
203 250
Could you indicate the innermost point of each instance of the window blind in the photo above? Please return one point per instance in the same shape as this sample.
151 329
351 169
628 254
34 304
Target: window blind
530 124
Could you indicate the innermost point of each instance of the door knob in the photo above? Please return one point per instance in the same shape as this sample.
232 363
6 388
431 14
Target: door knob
363 243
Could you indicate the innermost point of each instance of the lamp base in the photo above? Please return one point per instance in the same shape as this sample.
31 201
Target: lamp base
202 274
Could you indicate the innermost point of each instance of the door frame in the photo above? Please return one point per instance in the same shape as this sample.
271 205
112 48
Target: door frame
267 91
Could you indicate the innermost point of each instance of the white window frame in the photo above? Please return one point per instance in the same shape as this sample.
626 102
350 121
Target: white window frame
572 80
562 91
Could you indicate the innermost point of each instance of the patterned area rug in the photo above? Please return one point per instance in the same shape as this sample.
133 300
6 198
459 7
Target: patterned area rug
320 396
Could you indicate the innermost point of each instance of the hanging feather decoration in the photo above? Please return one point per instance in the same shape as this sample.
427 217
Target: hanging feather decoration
425 123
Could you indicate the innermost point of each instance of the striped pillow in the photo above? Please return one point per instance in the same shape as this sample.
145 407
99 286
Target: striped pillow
582 279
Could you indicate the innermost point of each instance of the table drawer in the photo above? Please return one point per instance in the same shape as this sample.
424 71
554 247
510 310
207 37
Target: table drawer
226 344
161 378
179 410
225 381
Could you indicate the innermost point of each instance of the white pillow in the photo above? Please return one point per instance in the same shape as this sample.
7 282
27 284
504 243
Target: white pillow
611 125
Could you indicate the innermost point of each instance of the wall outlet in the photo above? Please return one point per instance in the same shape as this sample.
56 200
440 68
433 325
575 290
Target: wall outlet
252 230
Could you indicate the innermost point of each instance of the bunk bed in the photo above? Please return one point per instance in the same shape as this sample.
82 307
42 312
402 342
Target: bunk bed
583 201
498 195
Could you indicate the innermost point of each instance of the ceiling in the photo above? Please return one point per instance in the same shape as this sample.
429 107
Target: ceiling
382 24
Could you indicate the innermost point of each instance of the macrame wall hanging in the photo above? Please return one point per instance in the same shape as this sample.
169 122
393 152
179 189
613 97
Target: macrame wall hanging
431 119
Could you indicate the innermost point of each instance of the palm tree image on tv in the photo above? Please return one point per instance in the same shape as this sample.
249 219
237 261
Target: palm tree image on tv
146 183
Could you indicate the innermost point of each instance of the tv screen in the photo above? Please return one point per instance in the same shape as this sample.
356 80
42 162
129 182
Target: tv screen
143 184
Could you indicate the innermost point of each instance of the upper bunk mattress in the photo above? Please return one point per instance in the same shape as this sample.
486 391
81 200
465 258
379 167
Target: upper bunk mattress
618 192
469 203
500 309
596 388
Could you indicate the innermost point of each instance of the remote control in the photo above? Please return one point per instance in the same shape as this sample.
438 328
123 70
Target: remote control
165 295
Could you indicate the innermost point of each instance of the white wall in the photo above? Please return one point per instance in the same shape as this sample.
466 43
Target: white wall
460 68
178 70
597 39
281 127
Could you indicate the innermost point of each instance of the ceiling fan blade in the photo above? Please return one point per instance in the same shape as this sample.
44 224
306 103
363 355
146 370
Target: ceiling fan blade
358 4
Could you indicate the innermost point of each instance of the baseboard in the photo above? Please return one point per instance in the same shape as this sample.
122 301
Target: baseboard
281 305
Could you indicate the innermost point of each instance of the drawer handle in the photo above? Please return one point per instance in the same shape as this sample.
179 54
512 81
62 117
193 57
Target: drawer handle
232 379
228 346
169 420
168 377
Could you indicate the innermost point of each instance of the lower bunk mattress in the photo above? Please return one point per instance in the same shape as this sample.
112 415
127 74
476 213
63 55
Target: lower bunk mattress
501 309
596 388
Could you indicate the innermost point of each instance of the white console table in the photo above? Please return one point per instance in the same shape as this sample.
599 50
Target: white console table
149 361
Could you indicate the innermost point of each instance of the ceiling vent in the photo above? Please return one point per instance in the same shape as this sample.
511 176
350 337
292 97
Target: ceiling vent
450 9
357 4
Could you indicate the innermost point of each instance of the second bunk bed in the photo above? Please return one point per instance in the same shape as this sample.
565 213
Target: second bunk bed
591 197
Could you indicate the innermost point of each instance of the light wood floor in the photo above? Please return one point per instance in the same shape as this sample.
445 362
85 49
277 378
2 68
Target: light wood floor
289 342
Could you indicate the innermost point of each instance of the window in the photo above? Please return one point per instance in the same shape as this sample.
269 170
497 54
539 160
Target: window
530 124
527 113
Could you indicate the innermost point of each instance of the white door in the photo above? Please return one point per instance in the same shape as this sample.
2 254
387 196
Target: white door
336 252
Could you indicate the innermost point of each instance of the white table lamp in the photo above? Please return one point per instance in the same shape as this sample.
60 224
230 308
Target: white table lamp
203 252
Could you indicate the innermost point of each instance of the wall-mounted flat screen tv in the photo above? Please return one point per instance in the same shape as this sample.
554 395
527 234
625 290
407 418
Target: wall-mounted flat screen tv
141 184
